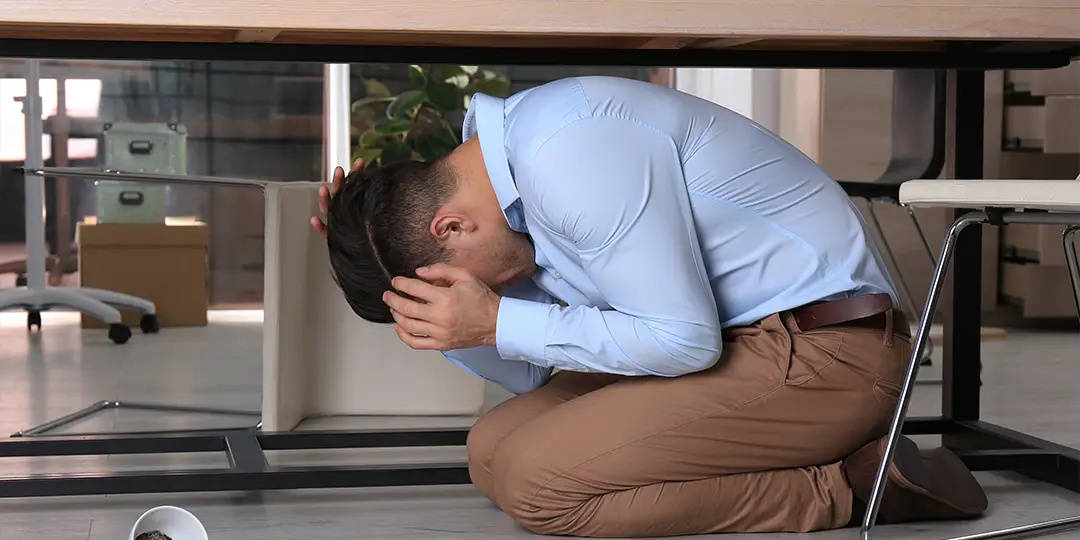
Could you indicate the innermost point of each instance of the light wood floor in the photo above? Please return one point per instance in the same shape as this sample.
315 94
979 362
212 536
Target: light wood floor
1032 383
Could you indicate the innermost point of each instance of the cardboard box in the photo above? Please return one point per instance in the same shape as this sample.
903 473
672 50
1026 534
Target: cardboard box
166 264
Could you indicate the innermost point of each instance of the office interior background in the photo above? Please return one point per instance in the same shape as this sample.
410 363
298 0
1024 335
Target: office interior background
266 120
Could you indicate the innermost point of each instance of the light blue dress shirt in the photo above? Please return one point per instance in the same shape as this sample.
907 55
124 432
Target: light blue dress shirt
659 219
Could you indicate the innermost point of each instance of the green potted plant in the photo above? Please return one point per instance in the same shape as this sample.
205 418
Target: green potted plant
415 125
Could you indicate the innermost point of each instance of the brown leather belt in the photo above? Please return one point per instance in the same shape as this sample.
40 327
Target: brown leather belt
865 311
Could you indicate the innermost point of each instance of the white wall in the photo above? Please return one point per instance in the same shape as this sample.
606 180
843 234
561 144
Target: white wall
753 93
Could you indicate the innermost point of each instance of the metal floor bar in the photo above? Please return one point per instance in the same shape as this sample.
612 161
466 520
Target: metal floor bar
46 428
233 479
991 448
83 445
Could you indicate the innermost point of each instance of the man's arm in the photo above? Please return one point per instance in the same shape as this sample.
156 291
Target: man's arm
516 377
484 362
614 189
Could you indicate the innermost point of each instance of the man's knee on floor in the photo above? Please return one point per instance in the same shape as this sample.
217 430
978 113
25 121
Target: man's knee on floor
483 437
525 490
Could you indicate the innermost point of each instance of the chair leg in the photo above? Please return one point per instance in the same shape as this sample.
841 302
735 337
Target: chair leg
1074 265
922 234
909 299
886 250
929 257
921 337
923 334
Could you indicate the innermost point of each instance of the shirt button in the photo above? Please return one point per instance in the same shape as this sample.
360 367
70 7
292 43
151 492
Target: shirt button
558 275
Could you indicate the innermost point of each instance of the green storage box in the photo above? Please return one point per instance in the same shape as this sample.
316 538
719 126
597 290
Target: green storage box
133 147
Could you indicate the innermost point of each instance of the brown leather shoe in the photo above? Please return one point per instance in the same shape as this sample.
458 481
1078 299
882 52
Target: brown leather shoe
937 486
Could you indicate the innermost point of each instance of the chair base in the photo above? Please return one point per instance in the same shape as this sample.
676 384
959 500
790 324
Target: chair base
97 303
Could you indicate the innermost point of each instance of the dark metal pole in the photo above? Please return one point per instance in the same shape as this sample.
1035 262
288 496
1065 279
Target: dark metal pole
962 364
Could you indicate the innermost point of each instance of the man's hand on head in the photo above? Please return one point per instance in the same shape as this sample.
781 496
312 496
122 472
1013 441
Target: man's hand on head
448 308
326 192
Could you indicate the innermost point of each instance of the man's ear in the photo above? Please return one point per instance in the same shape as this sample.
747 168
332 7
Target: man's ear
444 226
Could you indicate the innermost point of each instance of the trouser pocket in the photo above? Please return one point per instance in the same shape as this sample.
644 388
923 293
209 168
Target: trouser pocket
886 392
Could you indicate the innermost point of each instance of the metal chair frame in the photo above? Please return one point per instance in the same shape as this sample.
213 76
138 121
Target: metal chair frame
994 217
918 152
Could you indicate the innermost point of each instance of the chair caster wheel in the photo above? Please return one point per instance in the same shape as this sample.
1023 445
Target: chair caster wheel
21 281
119 334
33 318
149 323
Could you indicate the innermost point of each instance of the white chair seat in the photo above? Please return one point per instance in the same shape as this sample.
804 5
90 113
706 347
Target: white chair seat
1054 195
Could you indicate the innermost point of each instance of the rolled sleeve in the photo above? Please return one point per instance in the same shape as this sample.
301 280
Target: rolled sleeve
484 361
521 330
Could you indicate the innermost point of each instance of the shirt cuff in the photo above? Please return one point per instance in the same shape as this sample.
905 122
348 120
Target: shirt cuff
521 330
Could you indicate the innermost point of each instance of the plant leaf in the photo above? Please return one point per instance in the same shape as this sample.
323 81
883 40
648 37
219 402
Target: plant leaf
366 102
396 152
368 155
447 71
372 139
443 95
493 84
393 126
460 80
404 105
433 146
375 89
471 70
455 76
416 74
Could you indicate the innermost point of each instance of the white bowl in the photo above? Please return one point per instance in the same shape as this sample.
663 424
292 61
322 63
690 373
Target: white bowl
177 523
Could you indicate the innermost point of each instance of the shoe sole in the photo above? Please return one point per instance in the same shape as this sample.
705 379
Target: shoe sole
948 489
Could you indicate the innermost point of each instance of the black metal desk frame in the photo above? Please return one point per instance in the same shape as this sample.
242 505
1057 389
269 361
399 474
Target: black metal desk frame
982 445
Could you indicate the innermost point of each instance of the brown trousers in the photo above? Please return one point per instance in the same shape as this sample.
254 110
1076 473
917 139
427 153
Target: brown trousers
753 444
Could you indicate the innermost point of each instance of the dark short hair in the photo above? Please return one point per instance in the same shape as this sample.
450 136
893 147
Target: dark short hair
378 227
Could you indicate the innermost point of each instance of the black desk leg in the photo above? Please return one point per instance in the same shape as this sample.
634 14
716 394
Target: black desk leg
962 363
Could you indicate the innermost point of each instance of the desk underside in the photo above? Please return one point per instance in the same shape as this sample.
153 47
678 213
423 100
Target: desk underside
816 25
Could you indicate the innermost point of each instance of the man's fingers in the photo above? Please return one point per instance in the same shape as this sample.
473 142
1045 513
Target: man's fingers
324 199
445 272
319 226
417 327
409 308
417 342
325 192
418 288
339 178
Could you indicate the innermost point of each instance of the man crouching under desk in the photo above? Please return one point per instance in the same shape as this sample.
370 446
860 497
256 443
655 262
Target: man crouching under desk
726 337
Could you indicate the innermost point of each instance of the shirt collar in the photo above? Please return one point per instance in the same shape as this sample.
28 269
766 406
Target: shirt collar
486 117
